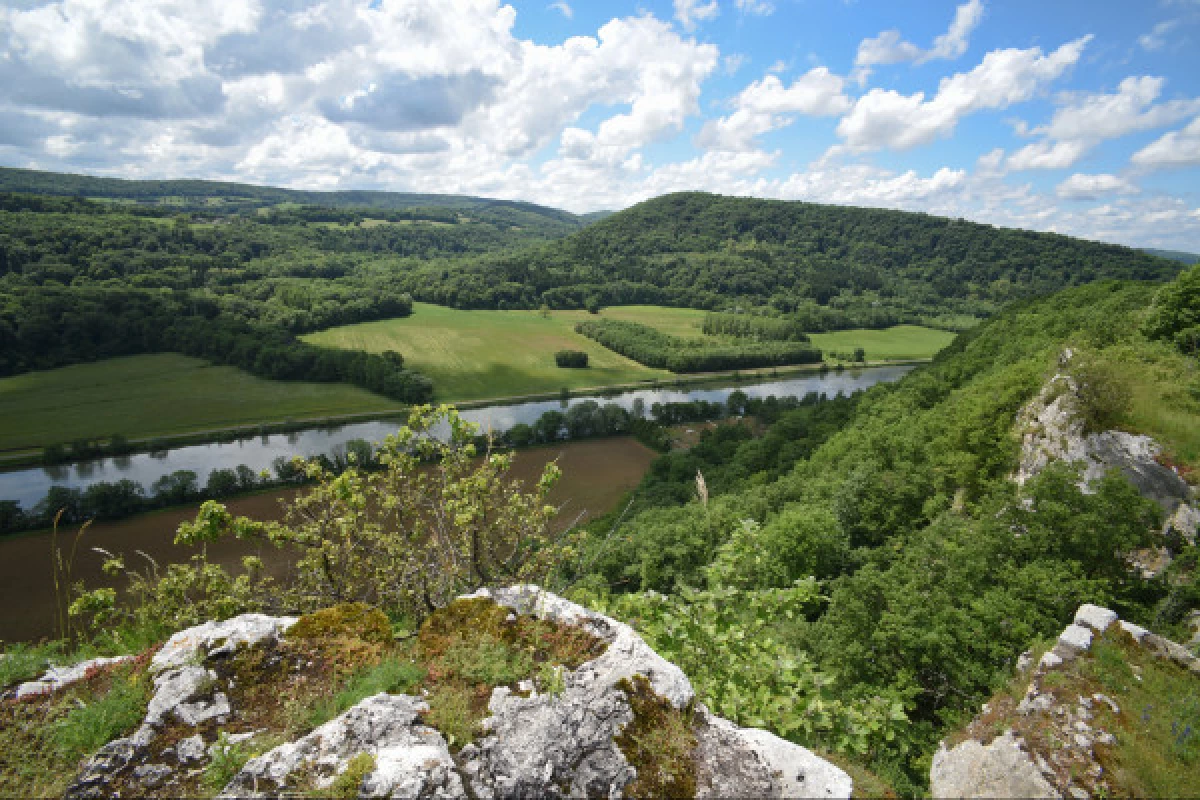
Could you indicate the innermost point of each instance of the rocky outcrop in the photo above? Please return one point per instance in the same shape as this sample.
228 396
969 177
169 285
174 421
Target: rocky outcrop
1052 429
564 742
1010 765
59 677
185 691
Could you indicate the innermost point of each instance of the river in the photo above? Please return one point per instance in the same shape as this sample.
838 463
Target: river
596 474
28 486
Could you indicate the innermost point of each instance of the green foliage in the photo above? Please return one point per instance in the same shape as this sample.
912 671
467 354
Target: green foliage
347 785
653 348
227 760
755 327
433 522
1175 315
797 543
93 724
575 359
394 675
1104 394
826 267
24 662
733 646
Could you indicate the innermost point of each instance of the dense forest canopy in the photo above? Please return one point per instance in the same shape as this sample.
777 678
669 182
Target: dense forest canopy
829 266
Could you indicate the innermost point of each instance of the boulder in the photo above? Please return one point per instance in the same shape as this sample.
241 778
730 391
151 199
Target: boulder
410 759
1000 769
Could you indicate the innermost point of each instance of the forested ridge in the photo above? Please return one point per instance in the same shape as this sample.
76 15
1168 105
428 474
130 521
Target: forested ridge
826 266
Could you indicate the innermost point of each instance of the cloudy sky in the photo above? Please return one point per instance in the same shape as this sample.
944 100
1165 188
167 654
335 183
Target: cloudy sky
1080 116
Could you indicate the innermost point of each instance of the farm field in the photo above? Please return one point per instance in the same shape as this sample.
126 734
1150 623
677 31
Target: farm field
473 355
899 342
156 395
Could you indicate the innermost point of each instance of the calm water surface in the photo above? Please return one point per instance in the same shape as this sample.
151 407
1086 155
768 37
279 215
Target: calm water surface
28 486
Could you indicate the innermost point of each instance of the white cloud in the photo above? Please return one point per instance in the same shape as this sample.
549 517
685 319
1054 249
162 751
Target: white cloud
692 12
889 48
761 8
953 43
1090 187
1046 155
562 7
733 62
1175 149
1086 119
1156 38
767 105
884 118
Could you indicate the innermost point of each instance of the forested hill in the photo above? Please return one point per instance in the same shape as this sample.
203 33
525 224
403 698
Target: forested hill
880 266
218 197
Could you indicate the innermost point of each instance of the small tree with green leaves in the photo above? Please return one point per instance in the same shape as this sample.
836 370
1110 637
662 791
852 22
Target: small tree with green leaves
437 519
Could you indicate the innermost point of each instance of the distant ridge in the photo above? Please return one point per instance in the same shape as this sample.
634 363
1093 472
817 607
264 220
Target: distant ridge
1174 255
199 194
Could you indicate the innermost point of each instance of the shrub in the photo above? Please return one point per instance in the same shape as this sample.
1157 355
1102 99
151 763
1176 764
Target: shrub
573 359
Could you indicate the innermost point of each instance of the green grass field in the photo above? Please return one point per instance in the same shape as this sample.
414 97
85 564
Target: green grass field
470 355
157 395
473 355
900 342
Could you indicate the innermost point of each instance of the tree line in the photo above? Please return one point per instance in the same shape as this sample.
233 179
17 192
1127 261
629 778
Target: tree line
653 348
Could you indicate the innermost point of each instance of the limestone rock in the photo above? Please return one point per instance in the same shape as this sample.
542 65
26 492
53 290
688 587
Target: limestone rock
58 677
1000 769
213 639
411 760
1052 430
1095 617
1073 640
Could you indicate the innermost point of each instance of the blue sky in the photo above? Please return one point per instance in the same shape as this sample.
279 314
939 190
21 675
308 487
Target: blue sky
1079 117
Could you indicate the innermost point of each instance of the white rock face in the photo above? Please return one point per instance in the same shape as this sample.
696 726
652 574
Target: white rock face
1000 769
184 691
58 677
1051 430
1074 639
219 638
1095 617
411 760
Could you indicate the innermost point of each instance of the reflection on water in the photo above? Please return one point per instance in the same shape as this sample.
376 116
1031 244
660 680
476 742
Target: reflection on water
28 486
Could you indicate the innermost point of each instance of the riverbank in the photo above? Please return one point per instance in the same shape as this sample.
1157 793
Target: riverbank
597 474
34 457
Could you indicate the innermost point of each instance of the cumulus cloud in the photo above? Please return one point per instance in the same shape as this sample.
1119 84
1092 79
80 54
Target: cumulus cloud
563 8
767 105
1090 187
885 118
1083 120
890 48
1175 149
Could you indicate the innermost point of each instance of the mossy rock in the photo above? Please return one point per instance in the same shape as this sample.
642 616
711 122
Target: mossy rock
351 620
659 743
466 617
